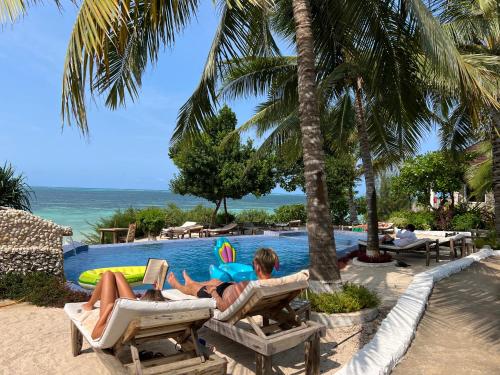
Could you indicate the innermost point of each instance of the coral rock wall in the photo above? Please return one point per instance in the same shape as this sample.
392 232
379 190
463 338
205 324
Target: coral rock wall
29 243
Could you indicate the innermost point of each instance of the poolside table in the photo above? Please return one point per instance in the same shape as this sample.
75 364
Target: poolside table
115 232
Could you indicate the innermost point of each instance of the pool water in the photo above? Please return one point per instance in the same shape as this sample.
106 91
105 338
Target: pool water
196 255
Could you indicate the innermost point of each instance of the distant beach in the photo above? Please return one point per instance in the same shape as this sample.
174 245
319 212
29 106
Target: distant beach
77 207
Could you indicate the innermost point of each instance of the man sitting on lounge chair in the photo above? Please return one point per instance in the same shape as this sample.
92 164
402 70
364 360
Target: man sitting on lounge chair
403 237
225 293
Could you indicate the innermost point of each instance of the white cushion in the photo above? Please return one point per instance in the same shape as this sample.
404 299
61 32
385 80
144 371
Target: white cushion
124 311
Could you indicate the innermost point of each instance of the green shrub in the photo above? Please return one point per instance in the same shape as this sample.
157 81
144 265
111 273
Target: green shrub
253 216
120 219
174 216
286 213
221 218
39 288
423 220
151 220
490 240
200 214
466 222
352 298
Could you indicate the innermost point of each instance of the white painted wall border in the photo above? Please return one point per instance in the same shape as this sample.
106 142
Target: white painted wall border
397 330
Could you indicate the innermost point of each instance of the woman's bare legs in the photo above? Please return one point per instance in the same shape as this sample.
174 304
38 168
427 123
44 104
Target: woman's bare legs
96 294
124 290
191 287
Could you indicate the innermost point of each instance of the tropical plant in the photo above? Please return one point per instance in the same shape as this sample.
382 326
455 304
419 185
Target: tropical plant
151 220
119 219
390 199
289 212
437 171
254 216
14 191
466 222
351 298
214 170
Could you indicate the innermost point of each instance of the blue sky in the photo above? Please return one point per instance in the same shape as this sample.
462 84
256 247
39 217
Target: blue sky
127 148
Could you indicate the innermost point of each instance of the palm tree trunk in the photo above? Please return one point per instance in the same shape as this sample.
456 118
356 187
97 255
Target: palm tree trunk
495 148
372 247
353 213
323 268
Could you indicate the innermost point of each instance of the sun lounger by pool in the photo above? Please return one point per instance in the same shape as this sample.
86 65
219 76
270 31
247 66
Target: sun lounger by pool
226 229
134 322
189 227
422 245
284 324
454 243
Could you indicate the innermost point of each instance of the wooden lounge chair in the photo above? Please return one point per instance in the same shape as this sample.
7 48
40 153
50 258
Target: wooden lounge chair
422 245
284 325
454 243
226 229
134 322
188 228
130 237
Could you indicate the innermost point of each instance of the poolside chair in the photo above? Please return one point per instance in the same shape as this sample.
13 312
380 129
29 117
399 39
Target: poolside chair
130 237
226 229
423 245
285 322
188 227
454 243
134 322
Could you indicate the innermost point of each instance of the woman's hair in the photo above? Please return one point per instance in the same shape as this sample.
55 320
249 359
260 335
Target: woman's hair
153 295
267 259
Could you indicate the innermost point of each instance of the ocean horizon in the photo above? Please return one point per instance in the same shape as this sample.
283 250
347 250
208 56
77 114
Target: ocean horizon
80 207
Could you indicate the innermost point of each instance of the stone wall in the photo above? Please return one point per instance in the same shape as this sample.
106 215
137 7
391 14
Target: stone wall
29 243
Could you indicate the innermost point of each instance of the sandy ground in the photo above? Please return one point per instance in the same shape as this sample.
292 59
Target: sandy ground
460 331
36 340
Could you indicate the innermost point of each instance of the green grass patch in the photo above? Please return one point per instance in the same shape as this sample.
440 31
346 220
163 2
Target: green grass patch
38 288
351 298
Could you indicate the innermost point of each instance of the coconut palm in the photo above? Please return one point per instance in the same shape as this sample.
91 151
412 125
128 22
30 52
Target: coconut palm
474 27
14 191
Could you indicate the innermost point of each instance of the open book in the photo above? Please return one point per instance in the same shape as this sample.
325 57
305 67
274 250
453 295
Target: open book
156 272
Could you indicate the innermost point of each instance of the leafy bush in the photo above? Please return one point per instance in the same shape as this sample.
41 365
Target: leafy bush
120 219
14 191
221 218
174 216
490 240
423 220
38 288
352 298
200 214
466 221
253 216
286 213
151 220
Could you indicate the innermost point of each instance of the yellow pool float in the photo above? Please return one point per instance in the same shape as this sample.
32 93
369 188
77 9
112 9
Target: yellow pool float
133 275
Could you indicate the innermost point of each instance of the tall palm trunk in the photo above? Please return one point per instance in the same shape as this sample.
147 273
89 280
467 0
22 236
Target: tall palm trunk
353 212
495 148
371 195
324 272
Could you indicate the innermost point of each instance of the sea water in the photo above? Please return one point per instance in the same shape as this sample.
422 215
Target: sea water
80 207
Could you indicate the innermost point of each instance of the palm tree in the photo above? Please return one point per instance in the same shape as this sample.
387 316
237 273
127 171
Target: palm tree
14 191
322 254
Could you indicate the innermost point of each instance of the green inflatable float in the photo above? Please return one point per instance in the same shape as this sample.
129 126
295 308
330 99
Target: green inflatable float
133 275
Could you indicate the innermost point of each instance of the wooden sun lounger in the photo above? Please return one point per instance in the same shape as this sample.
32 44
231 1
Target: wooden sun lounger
423 245
229 228
454 243
283 327
180 326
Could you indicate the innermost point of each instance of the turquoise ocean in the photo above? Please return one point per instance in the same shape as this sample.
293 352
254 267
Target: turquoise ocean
79 207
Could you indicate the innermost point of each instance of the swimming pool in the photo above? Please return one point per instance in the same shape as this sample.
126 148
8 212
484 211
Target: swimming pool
196 255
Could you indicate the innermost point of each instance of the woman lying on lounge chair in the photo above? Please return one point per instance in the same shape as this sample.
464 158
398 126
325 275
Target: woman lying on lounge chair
111 287
225 293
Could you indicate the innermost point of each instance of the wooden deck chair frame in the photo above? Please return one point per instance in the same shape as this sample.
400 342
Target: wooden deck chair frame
283 328
180 326
426 247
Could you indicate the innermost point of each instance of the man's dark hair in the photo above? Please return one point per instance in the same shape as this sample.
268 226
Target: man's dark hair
410 227
266 258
